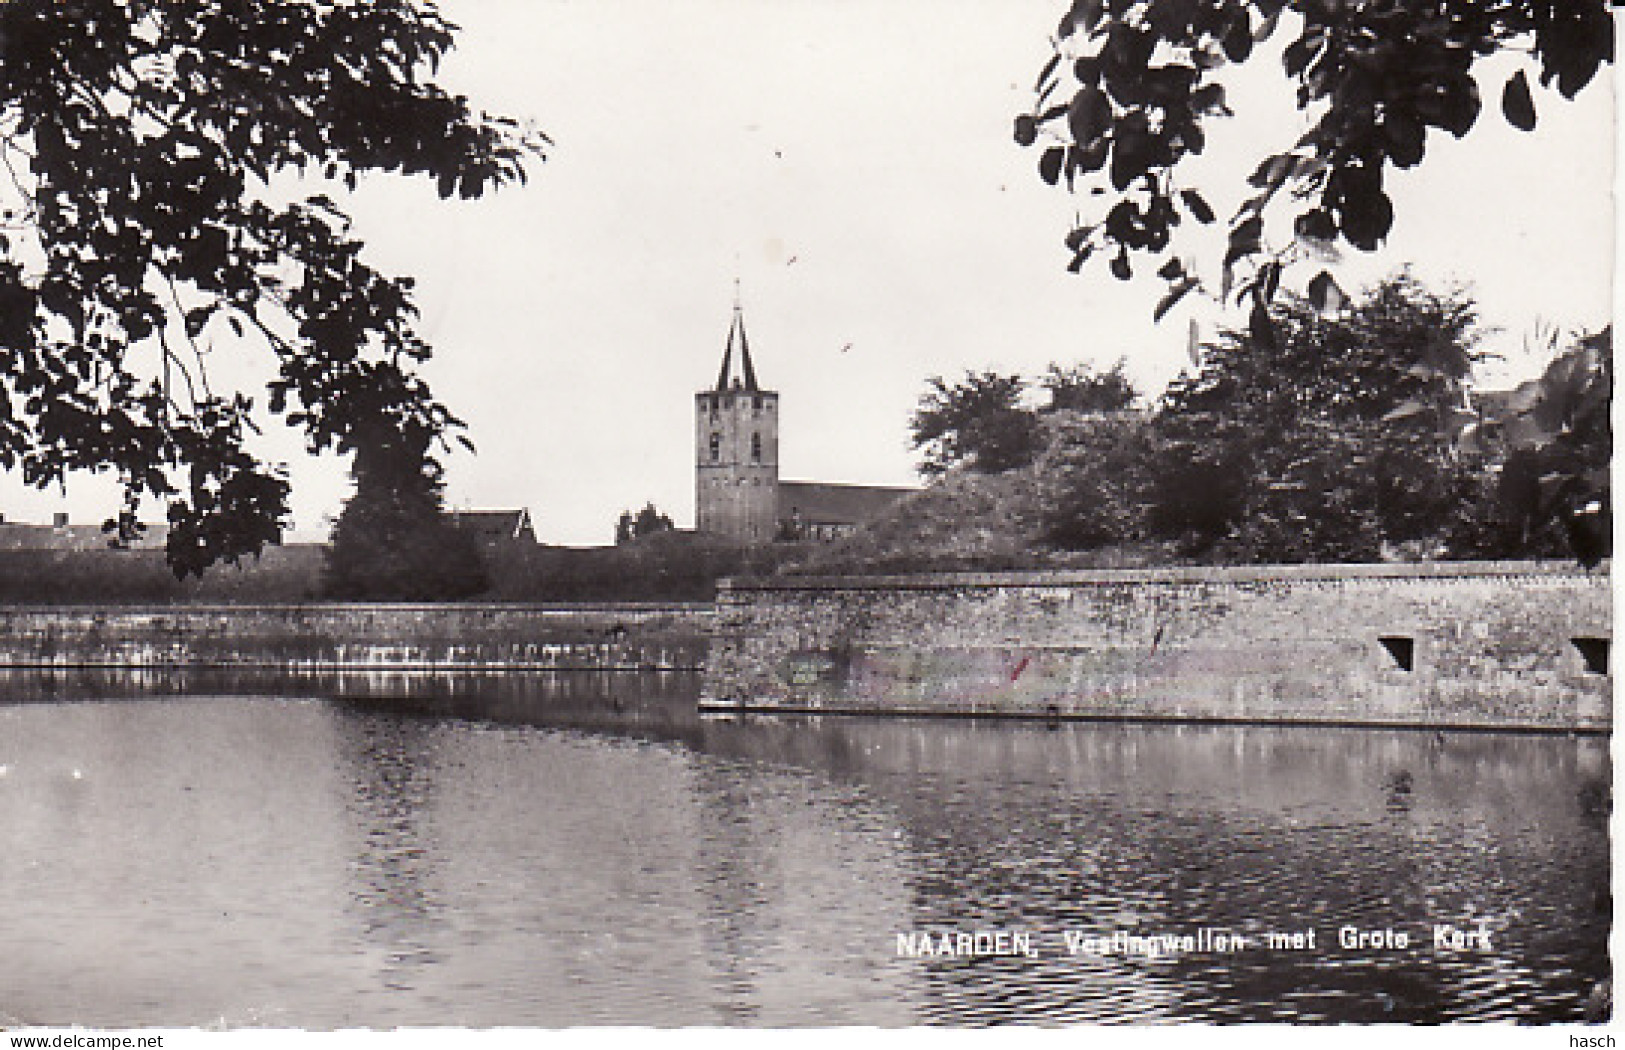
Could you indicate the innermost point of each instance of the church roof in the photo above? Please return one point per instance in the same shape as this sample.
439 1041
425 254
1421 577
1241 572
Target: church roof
491 526
747 371
817 501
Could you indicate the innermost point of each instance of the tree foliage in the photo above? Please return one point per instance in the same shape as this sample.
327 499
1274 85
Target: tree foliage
979 420
1127 99
1082 389
1339 427
150 148
645 522
1555 443
393 541
1335 440
1103 488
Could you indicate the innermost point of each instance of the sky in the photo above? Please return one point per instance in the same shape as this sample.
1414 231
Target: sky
851 165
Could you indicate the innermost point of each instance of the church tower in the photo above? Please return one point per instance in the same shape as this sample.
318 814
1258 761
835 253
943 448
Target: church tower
736 445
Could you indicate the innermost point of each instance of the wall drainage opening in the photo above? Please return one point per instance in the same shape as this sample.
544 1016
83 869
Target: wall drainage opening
1594 651
1401 649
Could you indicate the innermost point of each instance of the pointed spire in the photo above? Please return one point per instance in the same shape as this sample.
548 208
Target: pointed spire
727 360
744 352
747 367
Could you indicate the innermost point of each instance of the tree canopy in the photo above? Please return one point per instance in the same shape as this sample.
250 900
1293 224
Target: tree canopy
1126 101
645 522
150 150
393 541
1330 443
979 419
1355 437
1082 389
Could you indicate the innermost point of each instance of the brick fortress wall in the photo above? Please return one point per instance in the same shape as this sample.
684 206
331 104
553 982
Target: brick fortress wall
1484 645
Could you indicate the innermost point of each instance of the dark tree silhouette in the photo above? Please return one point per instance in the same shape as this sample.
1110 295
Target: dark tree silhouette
148 150
1336 432
1082 389
1554 487
980 420
645 522
393 541
1127 98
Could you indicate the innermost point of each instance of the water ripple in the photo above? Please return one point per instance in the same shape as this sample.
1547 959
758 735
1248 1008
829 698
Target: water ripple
361 863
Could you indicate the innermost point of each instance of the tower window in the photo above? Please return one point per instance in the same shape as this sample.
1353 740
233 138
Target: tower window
756 404
756 448
716 446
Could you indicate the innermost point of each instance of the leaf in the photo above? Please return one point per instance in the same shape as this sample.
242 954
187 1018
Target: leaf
1238 38
1266 28
1049 165
1131 155
1176 293
1197 206
1404 410
1269 279
1171 269
1325 295
1082 12
1262 329
1517 104
1249 233
1092 157
1406 137
1316 225
1298 54
1524 396
1089 115
1120 267
1453 105
1367 217
1245 239
1049 68
1209 98
1026 130
197 319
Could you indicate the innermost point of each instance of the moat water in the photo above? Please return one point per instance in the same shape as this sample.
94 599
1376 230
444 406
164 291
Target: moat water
585 849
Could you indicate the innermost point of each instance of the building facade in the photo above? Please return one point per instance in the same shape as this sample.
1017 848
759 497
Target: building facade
738 493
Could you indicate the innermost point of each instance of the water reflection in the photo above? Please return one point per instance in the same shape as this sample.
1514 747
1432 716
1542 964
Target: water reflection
581 849
391 766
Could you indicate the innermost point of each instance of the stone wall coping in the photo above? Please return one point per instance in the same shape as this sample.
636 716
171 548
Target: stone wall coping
342 608
1190 574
